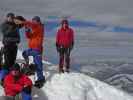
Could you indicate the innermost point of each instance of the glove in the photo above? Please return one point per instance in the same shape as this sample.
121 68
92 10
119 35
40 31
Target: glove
27 89
57 47
28 30
71 46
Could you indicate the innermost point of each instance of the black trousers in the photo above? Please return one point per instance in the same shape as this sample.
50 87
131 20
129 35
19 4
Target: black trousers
10 53
1 56
64 54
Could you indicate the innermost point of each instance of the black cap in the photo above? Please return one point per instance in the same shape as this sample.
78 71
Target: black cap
10 15
20 18
36 18
16 66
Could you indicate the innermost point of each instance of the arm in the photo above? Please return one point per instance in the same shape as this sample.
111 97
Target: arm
57 40
7 28
30 24
28 28
28 32
27 82
34 29
72 39
3 28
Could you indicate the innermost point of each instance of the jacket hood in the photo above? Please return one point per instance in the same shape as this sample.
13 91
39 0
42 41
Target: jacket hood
65 21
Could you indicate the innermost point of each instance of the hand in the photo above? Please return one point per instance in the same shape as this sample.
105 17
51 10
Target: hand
25 86
27 30
57 47
27 89
71 46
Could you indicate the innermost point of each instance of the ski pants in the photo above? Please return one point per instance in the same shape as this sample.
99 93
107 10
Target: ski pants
64 54
10 53
26 96
37 56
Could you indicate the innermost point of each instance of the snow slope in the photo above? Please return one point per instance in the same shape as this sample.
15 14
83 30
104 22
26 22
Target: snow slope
76 86
73 86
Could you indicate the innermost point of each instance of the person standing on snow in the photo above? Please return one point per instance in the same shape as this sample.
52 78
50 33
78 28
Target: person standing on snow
15 83
11 39
64 45
35 34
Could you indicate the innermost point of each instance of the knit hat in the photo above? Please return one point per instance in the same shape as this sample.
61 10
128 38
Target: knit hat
20 18
64 21
12 15
36 18
16 67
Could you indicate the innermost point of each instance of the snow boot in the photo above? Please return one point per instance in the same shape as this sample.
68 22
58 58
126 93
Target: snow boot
61 70
40 83
67 70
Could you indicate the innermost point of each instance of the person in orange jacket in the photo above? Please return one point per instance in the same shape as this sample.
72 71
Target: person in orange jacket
16 82
64 45
35 34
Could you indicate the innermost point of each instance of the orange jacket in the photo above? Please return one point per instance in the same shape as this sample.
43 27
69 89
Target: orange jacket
35 37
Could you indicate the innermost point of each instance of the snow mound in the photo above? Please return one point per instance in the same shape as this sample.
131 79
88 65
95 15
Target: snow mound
76 86
73 86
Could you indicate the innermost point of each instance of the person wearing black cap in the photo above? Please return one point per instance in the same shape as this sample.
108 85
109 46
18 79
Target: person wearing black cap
11 39
16 82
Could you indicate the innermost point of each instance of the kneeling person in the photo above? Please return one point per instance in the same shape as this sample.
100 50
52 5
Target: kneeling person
16 82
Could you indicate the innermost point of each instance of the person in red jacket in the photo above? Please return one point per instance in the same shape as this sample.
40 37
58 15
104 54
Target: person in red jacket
64 45
16 82
35 34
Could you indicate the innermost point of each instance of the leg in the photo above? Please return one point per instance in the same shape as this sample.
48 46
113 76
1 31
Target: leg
5 67
26 93
61 60
67 59
26 54
13 55
39 68
61 63
26 96
10 53
1 57
37 60
6 57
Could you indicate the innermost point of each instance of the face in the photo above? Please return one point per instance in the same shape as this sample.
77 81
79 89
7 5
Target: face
34 21
18 22
15 72
9 19
65 25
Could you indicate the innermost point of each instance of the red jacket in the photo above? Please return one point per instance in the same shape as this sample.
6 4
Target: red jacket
35 37
64 37
12 87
